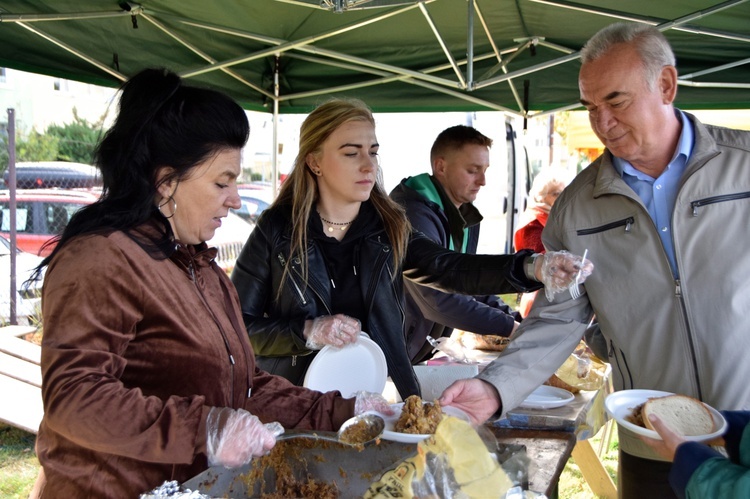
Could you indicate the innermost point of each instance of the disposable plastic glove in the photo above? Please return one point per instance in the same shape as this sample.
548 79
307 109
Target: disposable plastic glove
335 330
234 437
450 347
370 401
559 270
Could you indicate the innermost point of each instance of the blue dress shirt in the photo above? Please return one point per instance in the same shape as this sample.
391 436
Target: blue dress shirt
659 194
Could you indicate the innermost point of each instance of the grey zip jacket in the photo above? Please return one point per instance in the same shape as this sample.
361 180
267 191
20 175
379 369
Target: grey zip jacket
689 336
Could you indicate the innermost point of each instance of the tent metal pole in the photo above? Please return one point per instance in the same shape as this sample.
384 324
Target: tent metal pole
73 51
499 57
203 55
31 18
12 212
440 40
677 24
275 151
530 69
570 107
388 78
716 69
709 84
285 46
470 47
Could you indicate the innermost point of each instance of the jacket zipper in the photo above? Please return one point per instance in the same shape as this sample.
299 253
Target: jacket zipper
398 302
191 269
678 295
296 263
694 205
374 281
627 222
380 262
310 287
624 370
301 295
717 199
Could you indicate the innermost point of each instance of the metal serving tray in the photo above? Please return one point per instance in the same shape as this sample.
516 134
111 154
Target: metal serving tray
352 469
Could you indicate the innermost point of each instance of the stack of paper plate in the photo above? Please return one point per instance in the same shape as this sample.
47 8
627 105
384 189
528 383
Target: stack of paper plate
357 366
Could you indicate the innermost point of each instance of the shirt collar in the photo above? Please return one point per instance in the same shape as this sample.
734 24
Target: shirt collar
682 153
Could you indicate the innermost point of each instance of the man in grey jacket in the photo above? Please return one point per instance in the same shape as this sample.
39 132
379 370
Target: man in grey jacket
664 215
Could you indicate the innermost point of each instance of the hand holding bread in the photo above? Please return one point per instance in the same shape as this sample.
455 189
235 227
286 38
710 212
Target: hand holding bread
670 440
674 417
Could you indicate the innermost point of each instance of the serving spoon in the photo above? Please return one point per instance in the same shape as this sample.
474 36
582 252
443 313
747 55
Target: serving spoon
374 426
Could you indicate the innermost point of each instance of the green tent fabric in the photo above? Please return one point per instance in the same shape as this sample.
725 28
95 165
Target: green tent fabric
518 56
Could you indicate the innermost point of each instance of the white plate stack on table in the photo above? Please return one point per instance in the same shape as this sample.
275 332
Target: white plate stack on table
547 397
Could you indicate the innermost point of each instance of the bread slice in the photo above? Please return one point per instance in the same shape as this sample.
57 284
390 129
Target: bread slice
684 415
555 381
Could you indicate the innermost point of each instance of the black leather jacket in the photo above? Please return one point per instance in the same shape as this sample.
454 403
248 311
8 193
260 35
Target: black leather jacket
276 326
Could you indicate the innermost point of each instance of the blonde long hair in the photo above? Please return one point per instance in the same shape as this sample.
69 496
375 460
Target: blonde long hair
300 189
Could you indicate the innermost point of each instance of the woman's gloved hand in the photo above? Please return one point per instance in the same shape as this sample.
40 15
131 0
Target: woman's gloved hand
234 437
559 269
370 401
335 330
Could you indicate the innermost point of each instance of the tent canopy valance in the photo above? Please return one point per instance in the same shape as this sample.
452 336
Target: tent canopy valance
518 56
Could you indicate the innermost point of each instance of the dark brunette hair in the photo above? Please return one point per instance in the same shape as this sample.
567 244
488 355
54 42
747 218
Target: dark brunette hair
160 122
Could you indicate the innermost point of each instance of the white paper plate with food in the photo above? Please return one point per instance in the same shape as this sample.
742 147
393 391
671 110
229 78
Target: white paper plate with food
390 432
547 397
623 406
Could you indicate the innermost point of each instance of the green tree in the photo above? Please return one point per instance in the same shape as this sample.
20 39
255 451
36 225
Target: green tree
37 147
4 153
76 140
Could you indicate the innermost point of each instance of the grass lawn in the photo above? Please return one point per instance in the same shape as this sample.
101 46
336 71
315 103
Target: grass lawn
571 483
18 463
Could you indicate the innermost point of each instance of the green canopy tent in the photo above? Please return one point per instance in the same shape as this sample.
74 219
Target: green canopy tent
518 56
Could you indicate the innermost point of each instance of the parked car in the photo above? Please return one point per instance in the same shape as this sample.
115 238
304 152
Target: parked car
48 174
28 293
254 201
229 239
41 214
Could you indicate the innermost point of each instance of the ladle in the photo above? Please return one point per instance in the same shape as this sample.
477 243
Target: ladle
374 424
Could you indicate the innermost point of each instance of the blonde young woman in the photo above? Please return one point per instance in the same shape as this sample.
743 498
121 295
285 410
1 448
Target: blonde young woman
326 259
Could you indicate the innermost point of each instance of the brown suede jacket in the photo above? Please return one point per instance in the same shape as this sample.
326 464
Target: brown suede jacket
136 351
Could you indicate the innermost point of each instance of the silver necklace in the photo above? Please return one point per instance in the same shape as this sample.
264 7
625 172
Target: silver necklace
336 225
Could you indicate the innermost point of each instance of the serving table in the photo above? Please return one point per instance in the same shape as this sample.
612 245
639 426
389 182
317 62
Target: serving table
551 436
547 450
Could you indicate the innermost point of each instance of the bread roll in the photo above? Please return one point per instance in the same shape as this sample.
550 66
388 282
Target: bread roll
555 381
684 415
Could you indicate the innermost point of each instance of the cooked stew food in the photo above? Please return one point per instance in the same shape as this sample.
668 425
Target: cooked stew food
357 433
419 417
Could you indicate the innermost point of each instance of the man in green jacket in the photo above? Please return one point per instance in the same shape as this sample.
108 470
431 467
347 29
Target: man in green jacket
441 206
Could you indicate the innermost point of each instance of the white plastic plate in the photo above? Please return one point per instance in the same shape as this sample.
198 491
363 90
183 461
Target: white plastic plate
357 366
620 405
547 397
412 438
